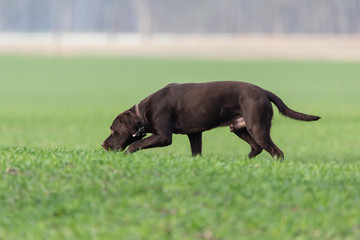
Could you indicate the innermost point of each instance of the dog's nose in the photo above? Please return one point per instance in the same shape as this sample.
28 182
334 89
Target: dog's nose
104 145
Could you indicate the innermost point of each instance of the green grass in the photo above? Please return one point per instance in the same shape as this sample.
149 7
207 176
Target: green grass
57 183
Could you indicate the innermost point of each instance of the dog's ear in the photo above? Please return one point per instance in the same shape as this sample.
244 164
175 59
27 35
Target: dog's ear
140 130
128 119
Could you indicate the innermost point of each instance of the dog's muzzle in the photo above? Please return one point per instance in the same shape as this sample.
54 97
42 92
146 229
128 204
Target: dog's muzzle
105 145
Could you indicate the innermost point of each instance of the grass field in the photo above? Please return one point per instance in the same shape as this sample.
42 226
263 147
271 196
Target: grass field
57 183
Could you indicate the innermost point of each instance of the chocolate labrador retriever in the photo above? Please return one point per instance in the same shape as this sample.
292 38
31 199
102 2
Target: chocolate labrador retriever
196 107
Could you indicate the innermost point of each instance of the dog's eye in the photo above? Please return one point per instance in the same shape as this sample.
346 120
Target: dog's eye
114 133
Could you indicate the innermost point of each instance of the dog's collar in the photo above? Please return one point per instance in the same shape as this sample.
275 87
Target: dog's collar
140 132
137 111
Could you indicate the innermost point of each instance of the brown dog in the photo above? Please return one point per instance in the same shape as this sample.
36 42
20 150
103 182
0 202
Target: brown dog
196 107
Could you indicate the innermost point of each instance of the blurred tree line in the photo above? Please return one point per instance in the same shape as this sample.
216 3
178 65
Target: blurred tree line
181 16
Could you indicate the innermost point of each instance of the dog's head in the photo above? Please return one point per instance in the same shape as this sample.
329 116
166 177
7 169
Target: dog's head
125 130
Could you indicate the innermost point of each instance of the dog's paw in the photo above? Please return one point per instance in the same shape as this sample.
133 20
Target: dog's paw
131 149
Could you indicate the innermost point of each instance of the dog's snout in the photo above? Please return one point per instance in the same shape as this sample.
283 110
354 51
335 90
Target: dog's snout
105 145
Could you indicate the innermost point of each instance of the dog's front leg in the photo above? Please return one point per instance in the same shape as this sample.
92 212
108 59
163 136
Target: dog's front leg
150 142
195 143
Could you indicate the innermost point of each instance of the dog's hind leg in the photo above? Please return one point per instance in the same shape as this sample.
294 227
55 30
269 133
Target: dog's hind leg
244 135
258 118
195 143
261 135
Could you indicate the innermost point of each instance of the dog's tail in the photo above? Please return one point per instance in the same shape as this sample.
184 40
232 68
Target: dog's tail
283 109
